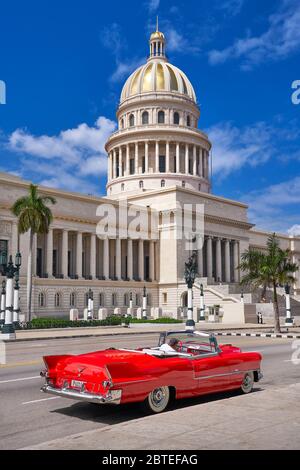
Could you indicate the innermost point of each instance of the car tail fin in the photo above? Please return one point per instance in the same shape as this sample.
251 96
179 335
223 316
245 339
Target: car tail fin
52 361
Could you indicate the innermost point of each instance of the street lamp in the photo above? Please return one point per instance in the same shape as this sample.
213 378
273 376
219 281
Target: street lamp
202 310
10 270
190 276
144 313
2 311
16 310
90 305
289 321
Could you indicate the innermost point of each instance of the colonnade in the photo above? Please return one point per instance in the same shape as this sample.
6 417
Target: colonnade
219 259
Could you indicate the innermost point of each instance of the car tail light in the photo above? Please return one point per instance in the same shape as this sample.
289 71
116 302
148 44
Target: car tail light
107 383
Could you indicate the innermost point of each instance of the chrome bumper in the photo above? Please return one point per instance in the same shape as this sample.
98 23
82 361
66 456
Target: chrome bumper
112 396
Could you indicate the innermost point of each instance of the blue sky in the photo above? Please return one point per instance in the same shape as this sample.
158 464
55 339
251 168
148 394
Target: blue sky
64 63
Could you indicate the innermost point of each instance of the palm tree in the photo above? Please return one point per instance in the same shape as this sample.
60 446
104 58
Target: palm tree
268 269
34 216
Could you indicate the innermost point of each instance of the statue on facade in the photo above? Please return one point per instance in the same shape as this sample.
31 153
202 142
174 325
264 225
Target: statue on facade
191 270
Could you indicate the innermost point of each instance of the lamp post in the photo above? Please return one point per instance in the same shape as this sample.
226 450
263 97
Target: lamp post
144 313
90 305
10 270
16 310
202 309
289 321
2 311
189 276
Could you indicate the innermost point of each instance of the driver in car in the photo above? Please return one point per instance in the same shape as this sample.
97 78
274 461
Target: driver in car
171 346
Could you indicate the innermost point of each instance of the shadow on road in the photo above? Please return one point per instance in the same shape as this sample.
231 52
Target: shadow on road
114 414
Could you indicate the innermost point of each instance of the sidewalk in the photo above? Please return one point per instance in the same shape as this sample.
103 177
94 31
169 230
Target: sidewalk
268 419
142 328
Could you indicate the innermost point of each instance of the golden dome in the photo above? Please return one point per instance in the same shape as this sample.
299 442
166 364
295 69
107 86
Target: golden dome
158 75
157 35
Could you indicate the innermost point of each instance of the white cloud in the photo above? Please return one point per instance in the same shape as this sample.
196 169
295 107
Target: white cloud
281 39
124 69
66 160
294 230
235 147
232 7
276 207
152 5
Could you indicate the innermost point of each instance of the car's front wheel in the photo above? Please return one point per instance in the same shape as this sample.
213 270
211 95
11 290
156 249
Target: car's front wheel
157 400
248 382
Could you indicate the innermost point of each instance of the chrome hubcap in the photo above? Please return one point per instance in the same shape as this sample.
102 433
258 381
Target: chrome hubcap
158 396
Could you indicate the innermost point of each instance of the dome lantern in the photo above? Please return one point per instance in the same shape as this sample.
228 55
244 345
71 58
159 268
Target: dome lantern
157 44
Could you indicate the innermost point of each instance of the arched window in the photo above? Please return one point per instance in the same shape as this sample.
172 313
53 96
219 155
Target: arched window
141 184
162 183
183 184
137 300
73 299
122 124
161 117
188 121
101 299
131 120
57 300
122 186
145 117
199 187
42 299
176 118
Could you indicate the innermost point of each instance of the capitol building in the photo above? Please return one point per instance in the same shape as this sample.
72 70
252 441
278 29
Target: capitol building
158 161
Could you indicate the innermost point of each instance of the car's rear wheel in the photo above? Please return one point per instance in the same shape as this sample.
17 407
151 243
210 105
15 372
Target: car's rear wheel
157 400
248 382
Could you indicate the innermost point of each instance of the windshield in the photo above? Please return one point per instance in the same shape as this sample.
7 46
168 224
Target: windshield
191 343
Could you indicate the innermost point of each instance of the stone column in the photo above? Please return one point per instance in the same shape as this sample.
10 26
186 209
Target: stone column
236 261
127 159
114 164
141 259
120 162
186 159
106 258
194 160
201 162
34 254
118 259
218 260
204 164
167 157
152 260
157 157
136 158
14 240
64 254
227 261
209 257
93 256
49 256
146 157
177 158
109 166
79 255
200 262
129 259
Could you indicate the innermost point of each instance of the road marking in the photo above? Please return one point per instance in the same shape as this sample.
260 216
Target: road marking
37 401
19 380
20 364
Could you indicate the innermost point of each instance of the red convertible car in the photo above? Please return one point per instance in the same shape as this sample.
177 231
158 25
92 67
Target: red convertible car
184 364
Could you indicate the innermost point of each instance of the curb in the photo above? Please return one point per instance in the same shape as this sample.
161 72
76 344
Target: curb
260 335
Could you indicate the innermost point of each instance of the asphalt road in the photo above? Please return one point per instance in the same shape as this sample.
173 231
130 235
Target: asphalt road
28 417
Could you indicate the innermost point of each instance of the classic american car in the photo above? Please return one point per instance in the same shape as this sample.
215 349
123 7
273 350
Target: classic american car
153 375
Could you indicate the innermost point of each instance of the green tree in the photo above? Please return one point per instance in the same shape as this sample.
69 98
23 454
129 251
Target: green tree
34 216
268 269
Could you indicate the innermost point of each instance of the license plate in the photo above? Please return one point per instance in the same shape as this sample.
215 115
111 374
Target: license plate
76 384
